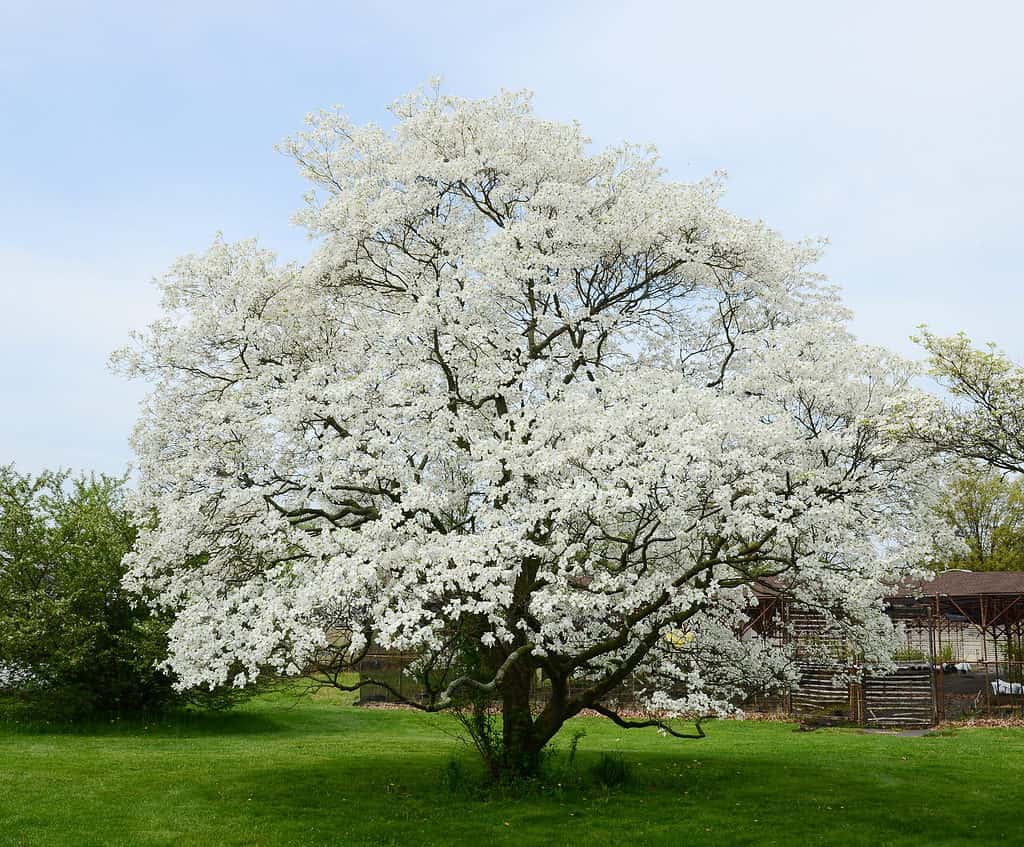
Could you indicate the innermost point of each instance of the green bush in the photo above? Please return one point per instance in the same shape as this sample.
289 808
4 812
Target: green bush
457 777
73 642
909 654
610 771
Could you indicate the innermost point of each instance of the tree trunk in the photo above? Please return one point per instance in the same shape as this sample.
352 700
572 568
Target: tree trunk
520 743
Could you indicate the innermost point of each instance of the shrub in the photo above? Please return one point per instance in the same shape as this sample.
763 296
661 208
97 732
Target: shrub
909 654
456 777
610 770
73 642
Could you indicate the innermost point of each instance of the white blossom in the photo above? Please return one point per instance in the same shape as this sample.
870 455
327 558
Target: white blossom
521 390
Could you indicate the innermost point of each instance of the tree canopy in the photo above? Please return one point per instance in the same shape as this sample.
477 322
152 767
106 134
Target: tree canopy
528 408
984 420
980 422
985 508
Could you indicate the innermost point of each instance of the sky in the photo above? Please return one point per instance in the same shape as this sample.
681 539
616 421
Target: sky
132 133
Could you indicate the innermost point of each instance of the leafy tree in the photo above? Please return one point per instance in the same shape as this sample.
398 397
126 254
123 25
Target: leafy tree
981 421
984 420
528 409
70 635
986 510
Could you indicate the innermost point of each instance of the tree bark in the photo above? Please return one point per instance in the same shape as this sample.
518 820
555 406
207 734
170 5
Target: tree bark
520 743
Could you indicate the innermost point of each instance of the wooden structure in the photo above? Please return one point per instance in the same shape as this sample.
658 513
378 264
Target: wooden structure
971 625
905 698
963 652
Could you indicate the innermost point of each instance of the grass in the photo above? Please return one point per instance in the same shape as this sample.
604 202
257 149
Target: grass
316 772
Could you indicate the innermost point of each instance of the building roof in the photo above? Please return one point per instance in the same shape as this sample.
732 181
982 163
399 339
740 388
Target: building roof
960 583
952 583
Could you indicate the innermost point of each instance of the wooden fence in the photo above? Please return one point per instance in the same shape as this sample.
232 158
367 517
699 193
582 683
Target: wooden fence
905 698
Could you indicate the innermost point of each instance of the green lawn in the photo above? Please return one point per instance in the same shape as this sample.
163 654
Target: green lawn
318 773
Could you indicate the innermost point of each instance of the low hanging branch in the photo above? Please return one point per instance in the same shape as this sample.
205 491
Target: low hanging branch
662 725
446 698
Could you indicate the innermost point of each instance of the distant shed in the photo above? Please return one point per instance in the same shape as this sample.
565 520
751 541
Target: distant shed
974 620
962 651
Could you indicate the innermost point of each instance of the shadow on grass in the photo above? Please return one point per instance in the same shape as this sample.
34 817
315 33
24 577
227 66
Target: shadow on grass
279 714
290 708
178 724
742 798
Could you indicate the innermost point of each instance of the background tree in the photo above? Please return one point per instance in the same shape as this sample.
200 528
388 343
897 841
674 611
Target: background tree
984 418
528 408
986 510
71 638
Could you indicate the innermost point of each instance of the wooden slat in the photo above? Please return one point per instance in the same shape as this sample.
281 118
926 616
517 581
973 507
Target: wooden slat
904 698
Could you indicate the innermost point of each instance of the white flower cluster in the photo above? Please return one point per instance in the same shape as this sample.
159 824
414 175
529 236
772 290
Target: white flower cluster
522 393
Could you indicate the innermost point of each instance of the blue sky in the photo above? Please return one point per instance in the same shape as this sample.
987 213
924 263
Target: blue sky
131 133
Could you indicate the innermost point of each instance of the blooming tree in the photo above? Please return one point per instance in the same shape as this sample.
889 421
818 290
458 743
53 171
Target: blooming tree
528 410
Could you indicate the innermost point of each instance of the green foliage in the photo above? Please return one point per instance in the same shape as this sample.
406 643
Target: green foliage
909 654
980 423
77 641
457 777
984 420
986 509
558 775
610 770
